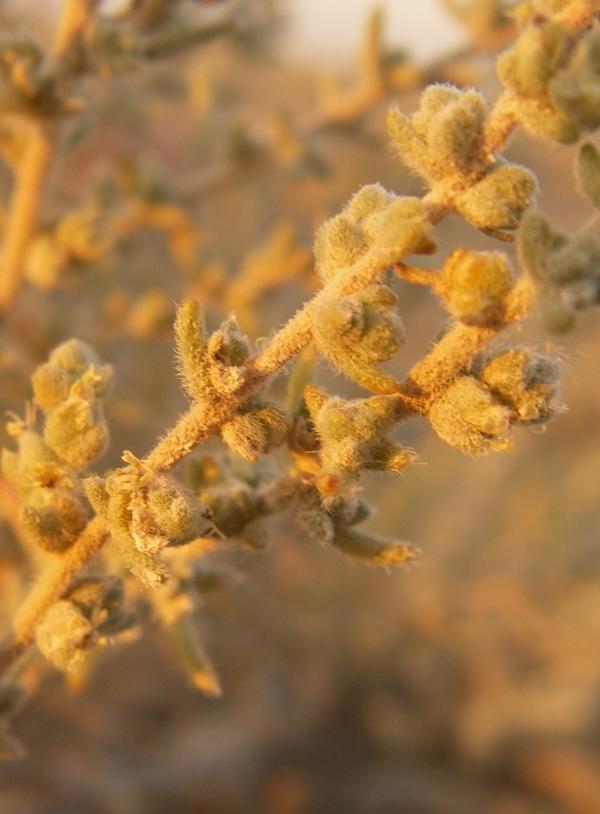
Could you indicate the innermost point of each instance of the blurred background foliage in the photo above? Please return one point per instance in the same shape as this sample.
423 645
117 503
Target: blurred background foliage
469 682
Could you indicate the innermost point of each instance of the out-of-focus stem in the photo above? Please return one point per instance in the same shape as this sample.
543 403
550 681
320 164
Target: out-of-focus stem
33 168
23 212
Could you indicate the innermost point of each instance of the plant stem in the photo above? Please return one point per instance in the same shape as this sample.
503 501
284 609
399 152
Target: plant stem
23 211
424 382
51 585
33 168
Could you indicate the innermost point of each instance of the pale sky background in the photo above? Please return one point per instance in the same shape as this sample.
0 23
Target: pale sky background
330 30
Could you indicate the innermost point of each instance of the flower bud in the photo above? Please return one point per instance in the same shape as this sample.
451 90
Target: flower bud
64 635
54 518
526 382
69 363
475 285
339 243
76 430
256 431
352 434
499 199
443 139
401 229
368 200
358 331
467 417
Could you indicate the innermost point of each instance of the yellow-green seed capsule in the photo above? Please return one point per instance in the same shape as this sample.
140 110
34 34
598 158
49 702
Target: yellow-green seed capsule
76 431
368 200
339 243
525 381
499 199
443 140
256 431
64 635
231 507
358 331
475 285
467 417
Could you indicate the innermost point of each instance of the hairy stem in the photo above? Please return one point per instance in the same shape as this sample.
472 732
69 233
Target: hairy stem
50 586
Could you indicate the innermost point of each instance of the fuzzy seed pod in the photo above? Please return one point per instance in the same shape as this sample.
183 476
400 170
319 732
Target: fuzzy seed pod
232 507
34 464
228 351
352 434
475 285
64 635
524 381
68 364
401 229
311 516
54 518
368 200
164 513
374 223
529 69
76 431
499 199
358 331
144 517
100 599
443 138
339 243
467 417
256 431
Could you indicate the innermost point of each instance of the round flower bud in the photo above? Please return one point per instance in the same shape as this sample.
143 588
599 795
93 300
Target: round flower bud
467 417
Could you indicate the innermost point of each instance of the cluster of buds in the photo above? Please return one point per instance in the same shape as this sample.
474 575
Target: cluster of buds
67 246
477 410
444 143
145 514
357 331
86 618
474 286
566 269
334 523
553 74
236 509
375 226
217 367
45 469
353 436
